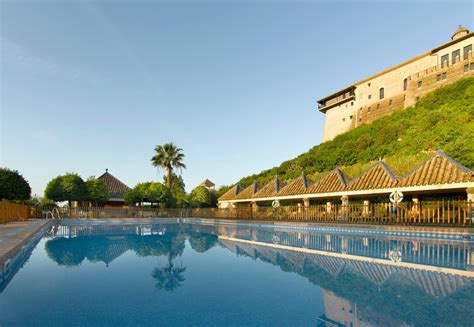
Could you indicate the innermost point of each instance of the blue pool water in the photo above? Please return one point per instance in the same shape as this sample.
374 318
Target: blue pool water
191 273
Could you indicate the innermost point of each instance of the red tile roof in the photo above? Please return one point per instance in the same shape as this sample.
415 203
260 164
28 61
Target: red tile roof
376 176
333 181
271 189
116 188
297 186
231 194
249 191
438 169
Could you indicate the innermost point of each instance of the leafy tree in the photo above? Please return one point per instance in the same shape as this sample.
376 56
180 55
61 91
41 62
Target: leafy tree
168 157
157 193
201 196
96 191
178 192
13 186
152 192
69 187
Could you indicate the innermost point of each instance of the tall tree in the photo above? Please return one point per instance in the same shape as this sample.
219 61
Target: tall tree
96 191
201 196
69 187
168 157
13 186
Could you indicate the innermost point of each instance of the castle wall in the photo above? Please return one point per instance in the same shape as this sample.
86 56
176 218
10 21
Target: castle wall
423 74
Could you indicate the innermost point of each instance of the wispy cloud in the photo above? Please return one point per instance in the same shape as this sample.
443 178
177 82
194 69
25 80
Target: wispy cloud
13 53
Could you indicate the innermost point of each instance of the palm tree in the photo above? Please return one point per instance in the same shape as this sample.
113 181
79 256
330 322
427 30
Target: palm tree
168 156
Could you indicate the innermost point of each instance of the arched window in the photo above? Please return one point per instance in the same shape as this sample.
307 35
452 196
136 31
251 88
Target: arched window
381 93
405 84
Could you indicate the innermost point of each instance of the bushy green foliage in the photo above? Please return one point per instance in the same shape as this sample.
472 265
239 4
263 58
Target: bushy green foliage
151 192
178 192
201 197
443 118
13 185
96 191
69 187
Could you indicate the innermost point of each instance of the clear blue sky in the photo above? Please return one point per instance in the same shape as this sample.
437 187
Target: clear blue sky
89 85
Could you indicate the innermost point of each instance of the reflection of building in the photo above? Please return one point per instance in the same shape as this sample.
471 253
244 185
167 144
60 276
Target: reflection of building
362 293
116 189
399 86
341 312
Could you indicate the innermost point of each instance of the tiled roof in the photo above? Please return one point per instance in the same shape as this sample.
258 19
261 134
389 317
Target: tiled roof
231 193
207 183
297 186
271 189
376 176
438 169
116 188
333 181
249 191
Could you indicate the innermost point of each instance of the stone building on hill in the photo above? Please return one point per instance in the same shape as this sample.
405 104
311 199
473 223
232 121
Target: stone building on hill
399 86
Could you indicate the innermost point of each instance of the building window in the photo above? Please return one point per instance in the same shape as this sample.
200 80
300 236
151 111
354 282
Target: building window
456 56
381 93
370 96
390 102
471 66
343 119
420 84
438 77
444 60
378 105
352 103
466 51
443 76
350 117
368 109
405 84
466 68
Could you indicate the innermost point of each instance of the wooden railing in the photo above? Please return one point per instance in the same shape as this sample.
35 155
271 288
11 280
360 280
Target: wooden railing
451 212
441 213
13 212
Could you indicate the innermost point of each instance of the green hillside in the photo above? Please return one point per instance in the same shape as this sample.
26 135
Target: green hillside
443 118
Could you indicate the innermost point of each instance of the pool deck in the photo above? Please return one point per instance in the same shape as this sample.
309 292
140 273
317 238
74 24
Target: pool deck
13 236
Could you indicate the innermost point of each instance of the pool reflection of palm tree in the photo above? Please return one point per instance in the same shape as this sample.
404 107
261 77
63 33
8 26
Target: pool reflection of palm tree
170 277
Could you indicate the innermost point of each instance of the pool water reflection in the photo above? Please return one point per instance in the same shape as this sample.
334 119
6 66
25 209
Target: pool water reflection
193 274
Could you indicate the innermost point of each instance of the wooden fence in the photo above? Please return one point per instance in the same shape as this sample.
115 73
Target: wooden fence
448 212
441 213
13 212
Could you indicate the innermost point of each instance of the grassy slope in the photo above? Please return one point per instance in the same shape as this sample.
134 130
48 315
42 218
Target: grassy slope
443 118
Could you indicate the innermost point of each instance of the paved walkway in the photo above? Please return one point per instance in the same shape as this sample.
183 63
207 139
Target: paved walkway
14 235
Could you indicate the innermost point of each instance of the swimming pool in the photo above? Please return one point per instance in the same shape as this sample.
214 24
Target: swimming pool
197 273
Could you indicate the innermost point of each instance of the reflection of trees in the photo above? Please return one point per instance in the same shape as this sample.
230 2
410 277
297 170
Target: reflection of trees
65 252
201 242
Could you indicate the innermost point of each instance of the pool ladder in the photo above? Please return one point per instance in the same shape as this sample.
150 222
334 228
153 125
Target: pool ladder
52 212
